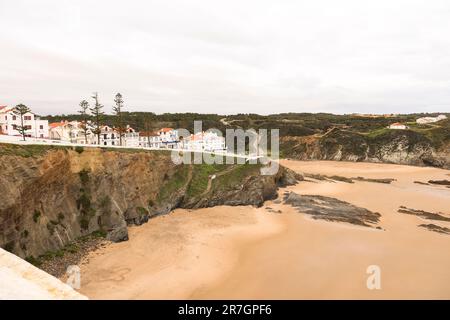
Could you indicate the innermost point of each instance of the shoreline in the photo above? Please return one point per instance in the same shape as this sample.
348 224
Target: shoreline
251 253
174 273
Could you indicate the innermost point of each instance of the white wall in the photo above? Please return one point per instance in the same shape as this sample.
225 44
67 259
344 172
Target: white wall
21 280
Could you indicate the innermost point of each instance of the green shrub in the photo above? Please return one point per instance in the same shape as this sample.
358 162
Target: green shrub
142 211
33 261
99 234
79 149
84 176
9 246
105 203
84 203
51 228
36 215
84 223
71 248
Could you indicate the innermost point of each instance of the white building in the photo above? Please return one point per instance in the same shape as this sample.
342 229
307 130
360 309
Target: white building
398 126
109 136
169 138
35 127
426 120
70 131
131 137
204 141
149 139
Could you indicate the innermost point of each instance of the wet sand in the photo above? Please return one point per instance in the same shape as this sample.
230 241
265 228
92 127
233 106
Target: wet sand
245 252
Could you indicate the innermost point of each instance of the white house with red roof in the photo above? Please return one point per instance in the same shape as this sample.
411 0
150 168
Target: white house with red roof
204 141
169 137
70 131
36 128
398 126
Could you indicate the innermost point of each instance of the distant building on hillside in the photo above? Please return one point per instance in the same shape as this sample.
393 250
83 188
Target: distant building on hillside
371 115
426 120
398 126
35 127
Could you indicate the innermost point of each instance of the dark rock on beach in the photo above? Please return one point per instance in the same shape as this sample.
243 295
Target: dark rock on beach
436 228
331 209
440 182
424 214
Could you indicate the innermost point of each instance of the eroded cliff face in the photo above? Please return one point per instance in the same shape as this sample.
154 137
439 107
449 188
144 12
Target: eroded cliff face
51 198
394 146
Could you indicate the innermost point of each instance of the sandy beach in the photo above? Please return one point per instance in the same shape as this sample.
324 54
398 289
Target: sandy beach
252 253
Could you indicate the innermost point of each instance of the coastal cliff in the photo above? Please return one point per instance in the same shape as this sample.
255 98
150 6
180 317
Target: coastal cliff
387 146
52 196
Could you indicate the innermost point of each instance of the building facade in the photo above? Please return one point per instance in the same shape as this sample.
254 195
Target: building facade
204 141
110 136
9 122
70 131
169 138
149 139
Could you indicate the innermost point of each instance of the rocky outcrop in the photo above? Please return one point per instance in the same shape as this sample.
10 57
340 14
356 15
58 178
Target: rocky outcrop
52 196
435 228
424 214
391 146
331 209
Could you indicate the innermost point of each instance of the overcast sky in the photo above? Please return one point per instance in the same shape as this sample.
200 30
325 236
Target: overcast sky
225 57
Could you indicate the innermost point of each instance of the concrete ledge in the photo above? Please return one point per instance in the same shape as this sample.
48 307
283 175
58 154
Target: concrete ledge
21 280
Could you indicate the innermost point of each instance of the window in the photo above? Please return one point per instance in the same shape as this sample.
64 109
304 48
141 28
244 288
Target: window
112 143
41 135
105 136
27 117
14 127
27 127
41 127
105 143
14 118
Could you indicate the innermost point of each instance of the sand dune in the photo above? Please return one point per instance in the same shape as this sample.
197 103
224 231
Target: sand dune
245 252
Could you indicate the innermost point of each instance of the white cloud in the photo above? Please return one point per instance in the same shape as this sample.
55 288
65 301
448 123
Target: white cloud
227 56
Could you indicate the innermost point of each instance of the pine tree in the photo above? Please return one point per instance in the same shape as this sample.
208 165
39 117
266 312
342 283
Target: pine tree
147 128
120 126
97 115
84 105
20 110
